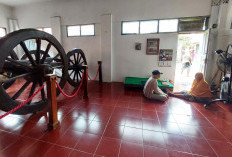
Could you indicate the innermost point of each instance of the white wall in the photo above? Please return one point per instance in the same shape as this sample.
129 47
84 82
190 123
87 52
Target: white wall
125 60
5 13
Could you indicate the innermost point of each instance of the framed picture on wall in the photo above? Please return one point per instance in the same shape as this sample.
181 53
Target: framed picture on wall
152 46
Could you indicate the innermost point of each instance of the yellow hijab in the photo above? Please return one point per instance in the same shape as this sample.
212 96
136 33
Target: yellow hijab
200 88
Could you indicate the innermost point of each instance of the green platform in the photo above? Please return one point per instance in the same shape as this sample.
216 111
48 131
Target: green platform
139 82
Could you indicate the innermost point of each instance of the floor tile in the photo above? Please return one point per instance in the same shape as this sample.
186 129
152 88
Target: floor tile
88 143
70 138
114 131
134 123
108 147
179 154
131 149
150 124
153 138
200 146
80 154
176 142
154 152
96 127
58 151
133 135
223 149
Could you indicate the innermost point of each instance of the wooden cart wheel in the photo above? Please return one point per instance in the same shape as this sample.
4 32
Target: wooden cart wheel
29 74
76 59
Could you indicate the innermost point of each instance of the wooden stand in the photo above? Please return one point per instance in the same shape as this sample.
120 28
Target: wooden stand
52 103
100 71
85 81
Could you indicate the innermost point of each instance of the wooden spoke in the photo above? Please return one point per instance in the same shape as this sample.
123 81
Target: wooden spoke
42 91
72 72
72 62
74 76
16 77
79 59
27 53
19 92
16 62
75 59
78 55
32 90
56 56
46 53
79 75
37 55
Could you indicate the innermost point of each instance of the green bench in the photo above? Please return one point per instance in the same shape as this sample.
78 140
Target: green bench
140 82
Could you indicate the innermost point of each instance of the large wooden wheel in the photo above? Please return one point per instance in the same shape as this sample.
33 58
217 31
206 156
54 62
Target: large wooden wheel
76 60
29 74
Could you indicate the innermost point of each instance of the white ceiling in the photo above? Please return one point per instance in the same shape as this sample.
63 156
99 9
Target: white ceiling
20 2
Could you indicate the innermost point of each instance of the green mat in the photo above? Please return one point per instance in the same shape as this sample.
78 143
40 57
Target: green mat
139 82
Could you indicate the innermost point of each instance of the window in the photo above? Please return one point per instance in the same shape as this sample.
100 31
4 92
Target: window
130 27
2 32
81 30
73 31
168 25
148 26
87 30
47 30
193 24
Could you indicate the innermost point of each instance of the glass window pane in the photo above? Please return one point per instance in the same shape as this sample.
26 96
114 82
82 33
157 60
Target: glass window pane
2 32
168 25
193 24
87 30
130 28
48 30
73 31
148 27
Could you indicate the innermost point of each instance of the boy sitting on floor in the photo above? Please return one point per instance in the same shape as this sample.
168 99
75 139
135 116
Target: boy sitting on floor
151 89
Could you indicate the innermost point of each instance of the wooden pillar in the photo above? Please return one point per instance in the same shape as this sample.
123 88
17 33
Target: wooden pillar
85 81
52 103
100 71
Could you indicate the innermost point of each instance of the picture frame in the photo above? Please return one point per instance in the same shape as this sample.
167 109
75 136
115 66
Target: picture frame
152 46
165 57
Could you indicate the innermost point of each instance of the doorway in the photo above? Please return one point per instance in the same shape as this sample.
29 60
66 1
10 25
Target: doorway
190 59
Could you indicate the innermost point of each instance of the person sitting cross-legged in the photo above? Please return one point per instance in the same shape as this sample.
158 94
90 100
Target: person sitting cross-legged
151 89
200 91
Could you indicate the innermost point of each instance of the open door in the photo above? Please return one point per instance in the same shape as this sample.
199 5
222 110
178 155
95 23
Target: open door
191 57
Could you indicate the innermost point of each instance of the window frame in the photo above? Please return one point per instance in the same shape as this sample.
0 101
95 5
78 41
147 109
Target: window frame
158 32
4 28
94 31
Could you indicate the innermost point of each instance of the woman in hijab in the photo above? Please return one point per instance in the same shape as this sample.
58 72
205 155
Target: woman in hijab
200 91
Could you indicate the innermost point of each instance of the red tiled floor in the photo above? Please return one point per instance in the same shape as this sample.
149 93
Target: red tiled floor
133 135
176 142
179 154
114 131
58 151
153 138
88 142
18 148
108 147
131 149
200 147
80 154
120 122
154 152
70 138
